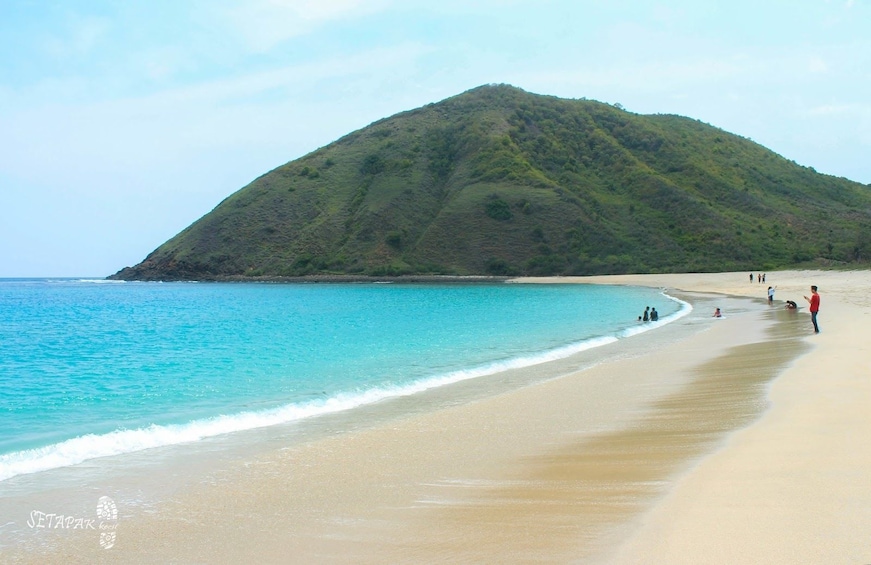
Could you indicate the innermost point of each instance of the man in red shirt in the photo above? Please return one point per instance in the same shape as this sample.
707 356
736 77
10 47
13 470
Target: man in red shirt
815 307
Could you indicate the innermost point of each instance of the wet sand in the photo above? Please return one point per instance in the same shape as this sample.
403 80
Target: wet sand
674 446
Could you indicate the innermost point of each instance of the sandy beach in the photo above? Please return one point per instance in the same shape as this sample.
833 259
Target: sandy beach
793 487
735 440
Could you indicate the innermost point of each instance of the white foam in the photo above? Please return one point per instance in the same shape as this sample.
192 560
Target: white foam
100 281
685 309
92 446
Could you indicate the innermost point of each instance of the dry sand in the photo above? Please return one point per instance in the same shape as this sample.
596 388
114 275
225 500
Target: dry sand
740 440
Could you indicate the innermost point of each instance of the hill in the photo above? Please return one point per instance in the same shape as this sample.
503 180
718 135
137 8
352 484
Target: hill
499 181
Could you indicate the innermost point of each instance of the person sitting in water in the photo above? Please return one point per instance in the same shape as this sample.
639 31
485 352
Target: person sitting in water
717 313
790 305
654 315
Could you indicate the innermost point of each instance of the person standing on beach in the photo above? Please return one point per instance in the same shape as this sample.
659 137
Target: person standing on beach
815 307
751 277
770 295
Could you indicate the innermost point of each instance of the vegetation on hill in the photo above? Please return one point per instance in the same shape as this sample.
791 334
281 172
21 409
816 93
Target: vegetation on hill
499 181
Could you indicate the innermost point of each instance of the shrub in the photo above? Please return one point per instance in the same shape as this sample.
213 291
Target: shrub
498 209
372 165
394 239
499 267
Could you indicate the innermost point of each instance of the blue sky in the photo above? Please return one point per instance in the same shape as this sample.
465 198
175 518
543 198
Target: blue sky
121 122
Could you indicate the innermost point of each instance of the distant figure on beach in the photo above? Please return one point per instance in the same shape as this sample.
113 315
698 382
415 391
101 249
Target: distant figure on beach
815 307
771 295
759 277
763 277
790 305
654 315
751 277
646 316
717 313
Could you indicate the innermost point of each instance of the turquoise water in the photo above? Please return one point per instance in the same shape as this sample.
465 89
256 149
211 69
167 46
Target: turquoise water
93 368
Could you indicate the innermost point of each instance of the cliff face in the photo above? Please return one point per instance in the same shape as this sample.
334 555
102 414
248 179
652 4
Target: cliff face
499 181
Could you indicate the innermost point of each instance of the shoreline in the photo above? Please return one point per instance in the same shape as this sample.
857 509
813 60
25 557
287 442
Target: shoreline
440 474
398 279
63 454
129 484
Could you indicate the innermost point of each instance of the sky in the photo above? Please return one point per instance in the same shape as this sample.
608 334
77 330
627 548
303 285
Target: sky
122 122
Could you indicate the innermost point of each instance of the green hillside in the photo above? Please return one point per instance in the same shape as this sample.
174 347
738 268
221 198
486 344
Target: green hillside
499 181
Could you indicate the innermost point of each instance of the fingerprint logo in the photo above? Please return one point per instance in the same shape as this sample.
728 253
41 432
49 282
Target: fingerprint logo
107 512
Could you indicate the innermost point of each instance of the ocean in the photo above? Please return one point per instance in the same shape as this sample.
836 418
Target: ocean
91 368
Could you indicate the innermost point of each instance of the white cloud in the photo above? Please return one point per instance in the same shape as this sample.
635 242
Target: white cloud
264 24
251 110
857 115
161 63
646 77
81 36
291 80
831 110
817 65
